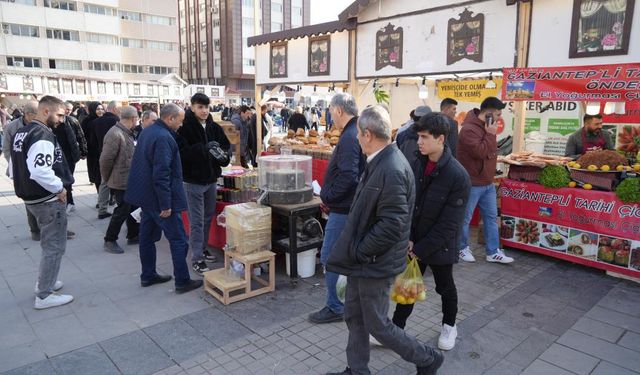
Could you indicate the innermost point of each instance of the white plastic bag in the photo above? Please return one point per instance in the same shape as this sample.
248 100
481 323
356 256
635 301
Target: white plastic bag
341 287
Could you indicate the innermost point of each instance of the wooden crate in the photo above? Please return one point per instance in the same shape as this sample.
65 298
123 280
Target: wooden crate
227 287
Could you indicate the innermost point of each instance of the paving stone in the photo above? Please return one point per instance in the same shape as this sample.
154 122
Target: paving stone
614 318
216 326
539 367
606 368
630 340
562 321
598 329
179 339
35 368
88 360
623 300
601 349
136 353
569 359
504 367
530 348
68 326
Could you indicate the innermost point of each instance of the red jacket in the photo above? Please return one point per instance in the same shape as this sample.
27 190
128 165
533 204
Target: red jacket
477 150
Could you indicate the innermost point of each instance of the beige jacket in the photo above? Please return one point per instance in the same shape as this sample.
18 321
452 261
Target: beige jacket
115 160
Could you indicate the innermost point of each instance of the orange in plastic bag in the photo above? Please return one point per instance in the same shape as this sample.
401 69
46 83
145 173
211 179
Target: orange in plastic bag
409 286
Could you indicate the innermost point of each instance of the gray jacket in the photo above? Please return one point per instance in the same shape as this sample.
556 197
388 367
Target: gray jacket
115 159
375 239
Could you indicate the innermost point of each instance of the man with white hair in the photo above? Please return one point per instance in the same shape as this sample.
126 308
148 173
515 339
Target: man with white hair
155 185
115 163
373 246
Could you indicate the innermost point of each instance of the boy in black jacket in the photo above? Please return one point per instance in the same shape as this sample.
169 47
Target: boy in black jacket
197 137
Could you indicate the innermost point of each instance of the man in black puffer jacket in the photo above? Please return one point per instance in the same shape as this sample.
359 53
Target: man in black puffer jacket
372 249
442 186
200 171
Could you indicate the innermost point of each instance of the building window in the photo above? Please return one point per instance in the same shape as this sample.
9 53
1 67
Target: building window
600 28
117 88
319 55
151 90
128 68
163 46
216 44
276 7
131 43
159 20
276 26
24 2
63 34
65 64
216 62
203 25
21 30
248 62
23 62
97 9
130 16
160 70
64 5
465 38
54 86
247 3
103 66
165 90
216 23
136 89
203 47
102 38
81 87
102 88
278 62
67 86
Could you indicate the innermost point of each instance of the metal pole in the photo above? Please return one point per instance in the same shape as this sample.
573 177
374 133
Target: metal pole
258 94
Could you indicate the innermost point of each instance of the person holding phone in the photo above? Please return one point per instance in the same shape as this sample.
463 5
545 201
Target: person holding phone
477 152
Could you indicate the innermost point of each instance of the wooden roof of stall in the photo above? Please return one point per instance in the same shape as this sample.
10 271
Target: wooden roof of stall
302 32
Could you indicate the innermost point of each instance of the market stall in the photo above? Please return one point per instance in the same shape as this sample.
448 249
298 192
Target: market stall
587 210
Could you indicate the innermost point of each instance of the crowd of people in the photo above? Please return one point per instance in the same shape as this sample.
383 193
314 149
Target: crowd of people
386 199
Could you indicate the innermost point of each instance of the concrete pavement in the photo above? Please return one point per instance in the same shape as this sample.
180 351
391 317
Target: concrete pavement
536 316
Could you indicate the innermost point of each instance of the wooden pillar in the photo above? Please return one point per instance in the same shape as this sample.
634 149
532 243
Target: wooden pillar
258 88
524 30
353 82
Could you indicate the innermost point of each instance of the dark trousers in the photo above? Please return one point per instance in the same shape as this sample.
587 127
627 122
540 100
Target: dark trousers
121 214
151 228
72 168
365 311
445 287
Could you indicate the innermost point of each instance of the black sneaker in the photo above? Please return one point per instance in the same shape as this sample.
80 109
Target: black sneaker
209 257
133 241
200 267
113 247
159 279
325 316
35 236
104 215
191 285
347 371
71 235
432 369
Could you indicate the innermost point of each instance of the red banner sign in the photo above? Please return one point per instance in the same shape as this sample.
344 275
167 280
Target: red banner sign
606 83
584 226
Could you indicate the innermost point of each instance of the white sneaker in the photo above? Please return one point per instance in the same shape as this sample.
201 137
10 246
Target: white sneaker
499 257
54 299
447 338
57 286
71 208
465 254
373 341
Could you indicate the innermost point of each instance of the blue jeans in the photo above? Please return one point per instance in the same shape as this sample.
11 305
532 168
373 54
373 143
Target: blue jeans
52 221
332 231
201 200
485 198
151 228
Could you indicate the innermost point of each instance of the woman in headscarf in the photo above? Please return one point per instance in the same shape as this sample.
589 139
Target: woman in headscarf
93 168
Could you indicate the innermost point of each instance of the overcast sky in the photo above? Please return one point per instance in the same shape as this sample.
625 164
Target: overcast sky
327 10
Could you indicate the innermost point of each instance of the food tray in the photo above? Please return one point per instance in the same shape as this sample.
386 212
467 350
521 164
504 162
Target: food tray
524 173
601 180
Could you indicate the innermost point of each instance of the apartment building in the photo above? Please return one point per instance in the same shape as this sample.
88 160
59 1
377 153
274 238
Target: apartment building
213 38
98 50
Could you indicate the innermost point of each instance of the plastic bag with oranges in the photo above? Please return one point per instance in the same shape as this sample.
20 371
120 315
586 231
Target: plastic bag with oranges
409 286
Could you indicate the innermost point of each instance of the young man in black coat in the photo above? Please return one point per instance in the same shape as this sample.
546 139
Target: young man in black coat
100 127
442 193
197 137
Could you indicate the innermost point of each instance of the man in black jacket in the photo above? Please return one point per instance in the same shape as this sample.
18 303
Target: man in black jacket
341 179
449 107
39 175
66 136
442 193
372 248
200 169
100 127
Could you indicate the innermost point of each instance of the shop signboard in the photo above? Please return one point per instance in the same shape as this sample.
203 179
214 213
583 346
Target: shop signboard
467 90
606 83
589 227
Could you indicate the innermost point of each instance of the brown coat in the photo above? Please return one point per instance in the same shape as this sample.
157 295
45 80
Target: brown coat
477 150
115 159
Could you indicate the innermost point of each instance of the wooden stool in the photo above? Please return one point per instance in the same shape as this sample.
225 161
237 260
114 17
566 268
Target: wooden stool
222 282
